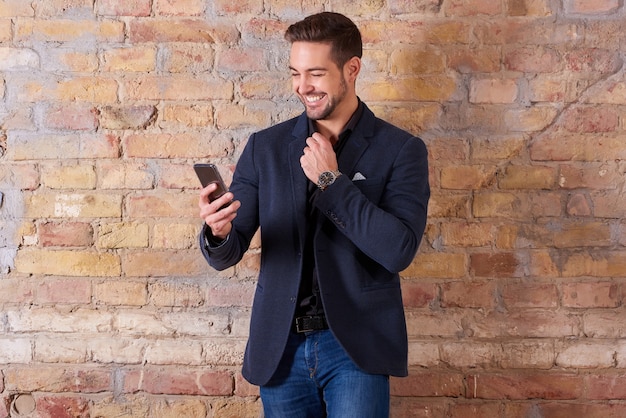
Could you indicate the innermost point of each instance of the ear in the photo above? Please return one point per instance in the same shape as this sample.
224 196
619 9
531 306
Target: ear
352 68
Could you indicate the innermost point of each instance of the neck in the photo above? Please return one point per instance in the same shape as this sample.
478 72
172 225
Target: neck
332 126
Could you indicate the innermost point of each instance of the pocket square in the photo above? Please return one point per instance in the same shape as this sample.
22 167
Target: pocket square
358 176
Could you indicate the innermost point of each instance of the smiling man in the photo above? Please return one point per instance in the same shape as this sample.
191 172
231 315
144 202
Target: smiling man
340 197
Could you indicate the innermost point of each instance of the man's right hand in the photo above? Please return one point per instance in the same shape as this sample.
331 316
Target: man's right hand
219 220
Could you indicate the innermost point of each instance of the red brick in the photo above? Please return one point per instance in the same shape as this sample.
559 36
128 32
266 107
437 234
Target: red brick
579 409
172 381
62 407
525 323
608 386
604 324
65 234
418 408
232 294
416 294
225 7
591 119
591 7
521 386
408 6
598 176
472 8
478 409
496 265
591 295
426 384
558 145
533 60
468 295
64 291
530 295
57 379
593 61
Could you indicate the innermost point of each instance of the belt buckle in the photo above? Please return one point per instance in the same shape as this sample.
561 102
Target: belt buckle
309 323
300 324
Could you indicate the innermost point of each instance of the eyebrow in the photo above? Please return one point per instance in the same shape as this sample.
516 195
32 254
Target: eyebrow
309 69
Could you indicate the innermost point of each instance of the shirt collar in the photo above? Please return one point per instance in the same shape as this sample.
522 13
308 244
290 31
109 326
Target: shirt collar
354 119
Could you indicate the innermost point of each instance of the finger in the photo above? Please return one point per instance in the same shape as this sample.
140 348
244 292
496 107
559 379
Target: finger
319 138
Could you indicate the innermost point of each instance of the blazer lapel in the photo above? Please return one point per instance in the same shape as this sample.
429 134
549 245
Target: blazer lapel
299 182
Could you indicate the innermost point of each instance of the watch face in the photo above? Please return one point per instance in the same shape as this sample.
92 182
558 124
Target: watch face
325 179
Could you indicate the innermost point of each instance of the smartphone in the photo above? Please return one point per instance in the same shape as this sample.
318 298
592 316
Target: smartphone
208 173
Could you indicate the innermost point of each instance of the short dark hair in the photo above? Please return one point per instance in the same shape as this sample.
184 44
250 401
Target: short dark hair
331 28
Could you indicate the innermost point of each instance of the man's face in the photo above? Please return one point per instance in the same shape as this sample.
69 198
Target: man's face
316 79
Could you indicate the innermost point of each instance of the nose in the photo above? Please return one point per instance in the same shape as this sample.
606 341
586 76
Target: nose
302 84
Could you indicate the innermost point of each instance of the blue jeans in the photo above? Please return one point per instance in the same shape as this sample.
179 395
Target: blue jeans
316 379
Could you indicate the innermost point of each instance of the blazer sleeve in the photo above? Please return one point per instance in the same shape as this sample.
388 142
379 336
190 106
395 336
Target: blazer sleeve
245 188
387 221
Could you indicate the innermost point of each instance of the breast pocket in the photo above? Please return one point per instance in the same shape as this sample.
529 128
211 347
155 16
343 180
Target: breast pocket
372 188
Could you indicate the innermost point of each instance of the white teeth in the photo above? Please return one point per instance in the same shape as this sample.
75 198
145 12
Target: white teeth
313 98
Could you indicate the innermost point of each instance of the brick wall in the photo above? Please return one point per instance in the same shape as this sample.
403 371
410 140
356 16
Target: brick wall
514 302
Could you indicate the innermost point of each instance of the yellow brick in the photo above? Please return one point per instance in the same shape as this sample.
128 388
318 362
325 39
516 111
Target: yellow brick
177 87
175 236
132 59
183 30
528 177
67 263
175 293
117 292
118 174
188 58
463 177
417 61
184 145
73 205
180 8
16 8
530 120
163 205
84 62
69 30
88 89
163 263
193 115
463 234
497 204
493 91
6 30
123 235
81 176
497 148
430 88
437 265
234 116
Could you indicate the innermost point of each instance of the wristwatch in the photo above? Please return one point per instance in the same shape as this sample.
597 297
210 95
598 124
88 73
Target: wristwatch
327 178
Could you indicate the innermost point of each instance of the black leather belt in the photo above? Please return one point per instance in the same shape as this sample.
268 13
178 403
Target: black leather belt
310 323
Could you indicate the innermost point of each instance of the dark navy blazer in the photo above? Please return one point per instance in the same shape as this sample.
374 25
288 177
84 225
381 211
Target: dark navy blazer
371 227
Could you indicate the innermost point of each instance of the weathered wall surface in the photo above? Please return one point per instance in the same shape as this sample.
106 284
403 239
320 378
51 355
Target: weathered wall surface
515 302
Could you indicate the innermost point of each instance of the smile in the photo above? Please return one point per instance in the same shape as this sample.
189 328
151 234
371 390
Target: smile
311 99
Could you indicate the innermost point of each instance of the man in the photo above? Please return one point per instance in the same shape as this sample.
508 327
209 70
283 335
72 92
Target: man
340 197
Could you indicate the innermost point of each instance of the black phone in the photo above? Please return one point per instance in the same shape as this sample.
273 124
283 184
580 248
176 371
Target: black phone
208 173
